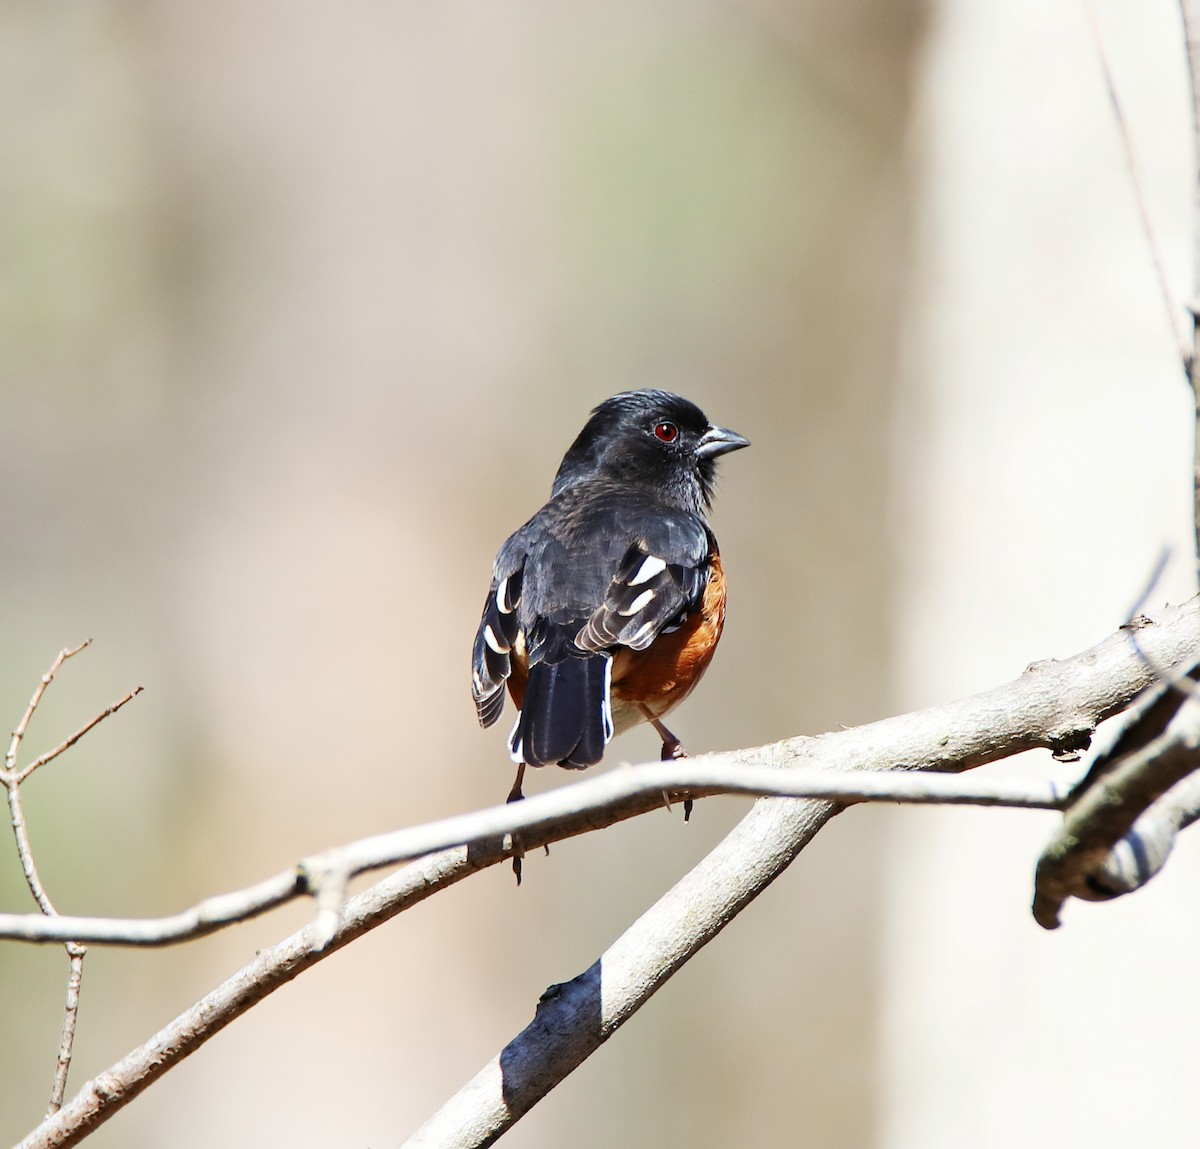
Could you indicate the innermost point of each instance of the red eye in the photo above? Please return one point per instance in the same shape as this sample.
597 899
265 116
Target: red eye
666 432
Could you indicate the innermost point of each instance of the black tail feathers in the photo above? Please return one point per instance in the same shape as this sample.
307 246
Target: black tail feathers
567 715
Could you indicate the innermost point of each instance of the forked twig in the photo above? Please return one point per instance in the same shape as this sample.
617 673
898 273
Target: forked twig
70 741
10 759
11 777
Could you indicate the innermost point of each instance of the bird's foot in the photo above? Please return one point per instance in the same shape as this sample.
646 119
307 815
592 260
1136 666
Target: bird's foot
672 751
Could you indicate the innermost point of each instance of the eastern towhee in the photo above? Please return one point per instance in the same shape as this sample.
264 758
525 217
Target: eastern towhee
606 607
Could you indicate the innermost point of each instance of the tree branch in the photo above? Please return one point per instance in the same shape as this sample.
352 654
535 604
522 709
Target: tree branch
1054 704
71 739
576 808
66 1042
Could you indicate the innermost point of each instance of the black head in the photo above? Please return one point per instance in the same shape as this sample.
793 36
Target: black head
651 439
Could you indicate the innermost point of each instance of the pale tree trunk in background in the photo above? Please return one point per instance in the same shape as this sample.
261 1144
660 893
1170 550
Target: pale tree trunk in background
1047 462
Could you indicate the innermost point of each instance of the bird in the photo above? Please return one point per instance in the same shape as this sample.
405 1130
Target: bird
606 607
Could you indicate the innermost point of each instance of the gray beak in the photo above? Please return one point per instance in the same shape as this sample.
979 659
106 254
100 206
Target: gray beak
720 441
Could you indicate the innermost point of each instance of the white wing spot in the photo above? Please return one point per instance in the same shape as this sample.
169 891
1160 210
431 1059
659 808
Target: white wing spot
638 603
489 636
651 565
502 597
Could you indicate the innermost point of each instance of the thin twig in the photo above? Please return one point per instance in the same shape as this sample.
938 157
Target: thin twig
1156 573
25 852
1139 194
1052 702
205 918
10 759
70 741
66 1042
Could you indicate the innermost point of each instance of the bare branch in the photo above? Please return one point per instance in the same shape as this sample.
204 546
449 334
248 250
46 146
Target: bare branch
573 809
20 829
209 915
1053 704
66 1042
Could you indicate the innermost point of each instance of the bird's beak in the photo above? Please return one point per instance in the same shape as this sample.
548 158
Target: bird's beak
720 441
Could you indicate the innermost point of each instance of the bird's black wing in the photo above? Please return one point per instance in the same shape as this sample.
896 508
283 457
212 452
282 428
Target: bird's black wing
491 659
660 581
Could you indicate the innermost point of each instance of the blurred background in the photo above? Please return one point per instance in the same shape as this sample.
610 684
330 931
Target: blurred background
300 306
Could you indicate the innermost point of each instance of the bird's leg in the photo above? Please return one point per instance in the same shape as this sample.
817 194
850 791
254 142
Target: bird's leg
516 794
672 751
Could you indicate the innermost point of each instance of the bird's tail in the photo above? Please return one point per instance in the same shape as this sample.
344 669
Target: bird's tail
566 713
